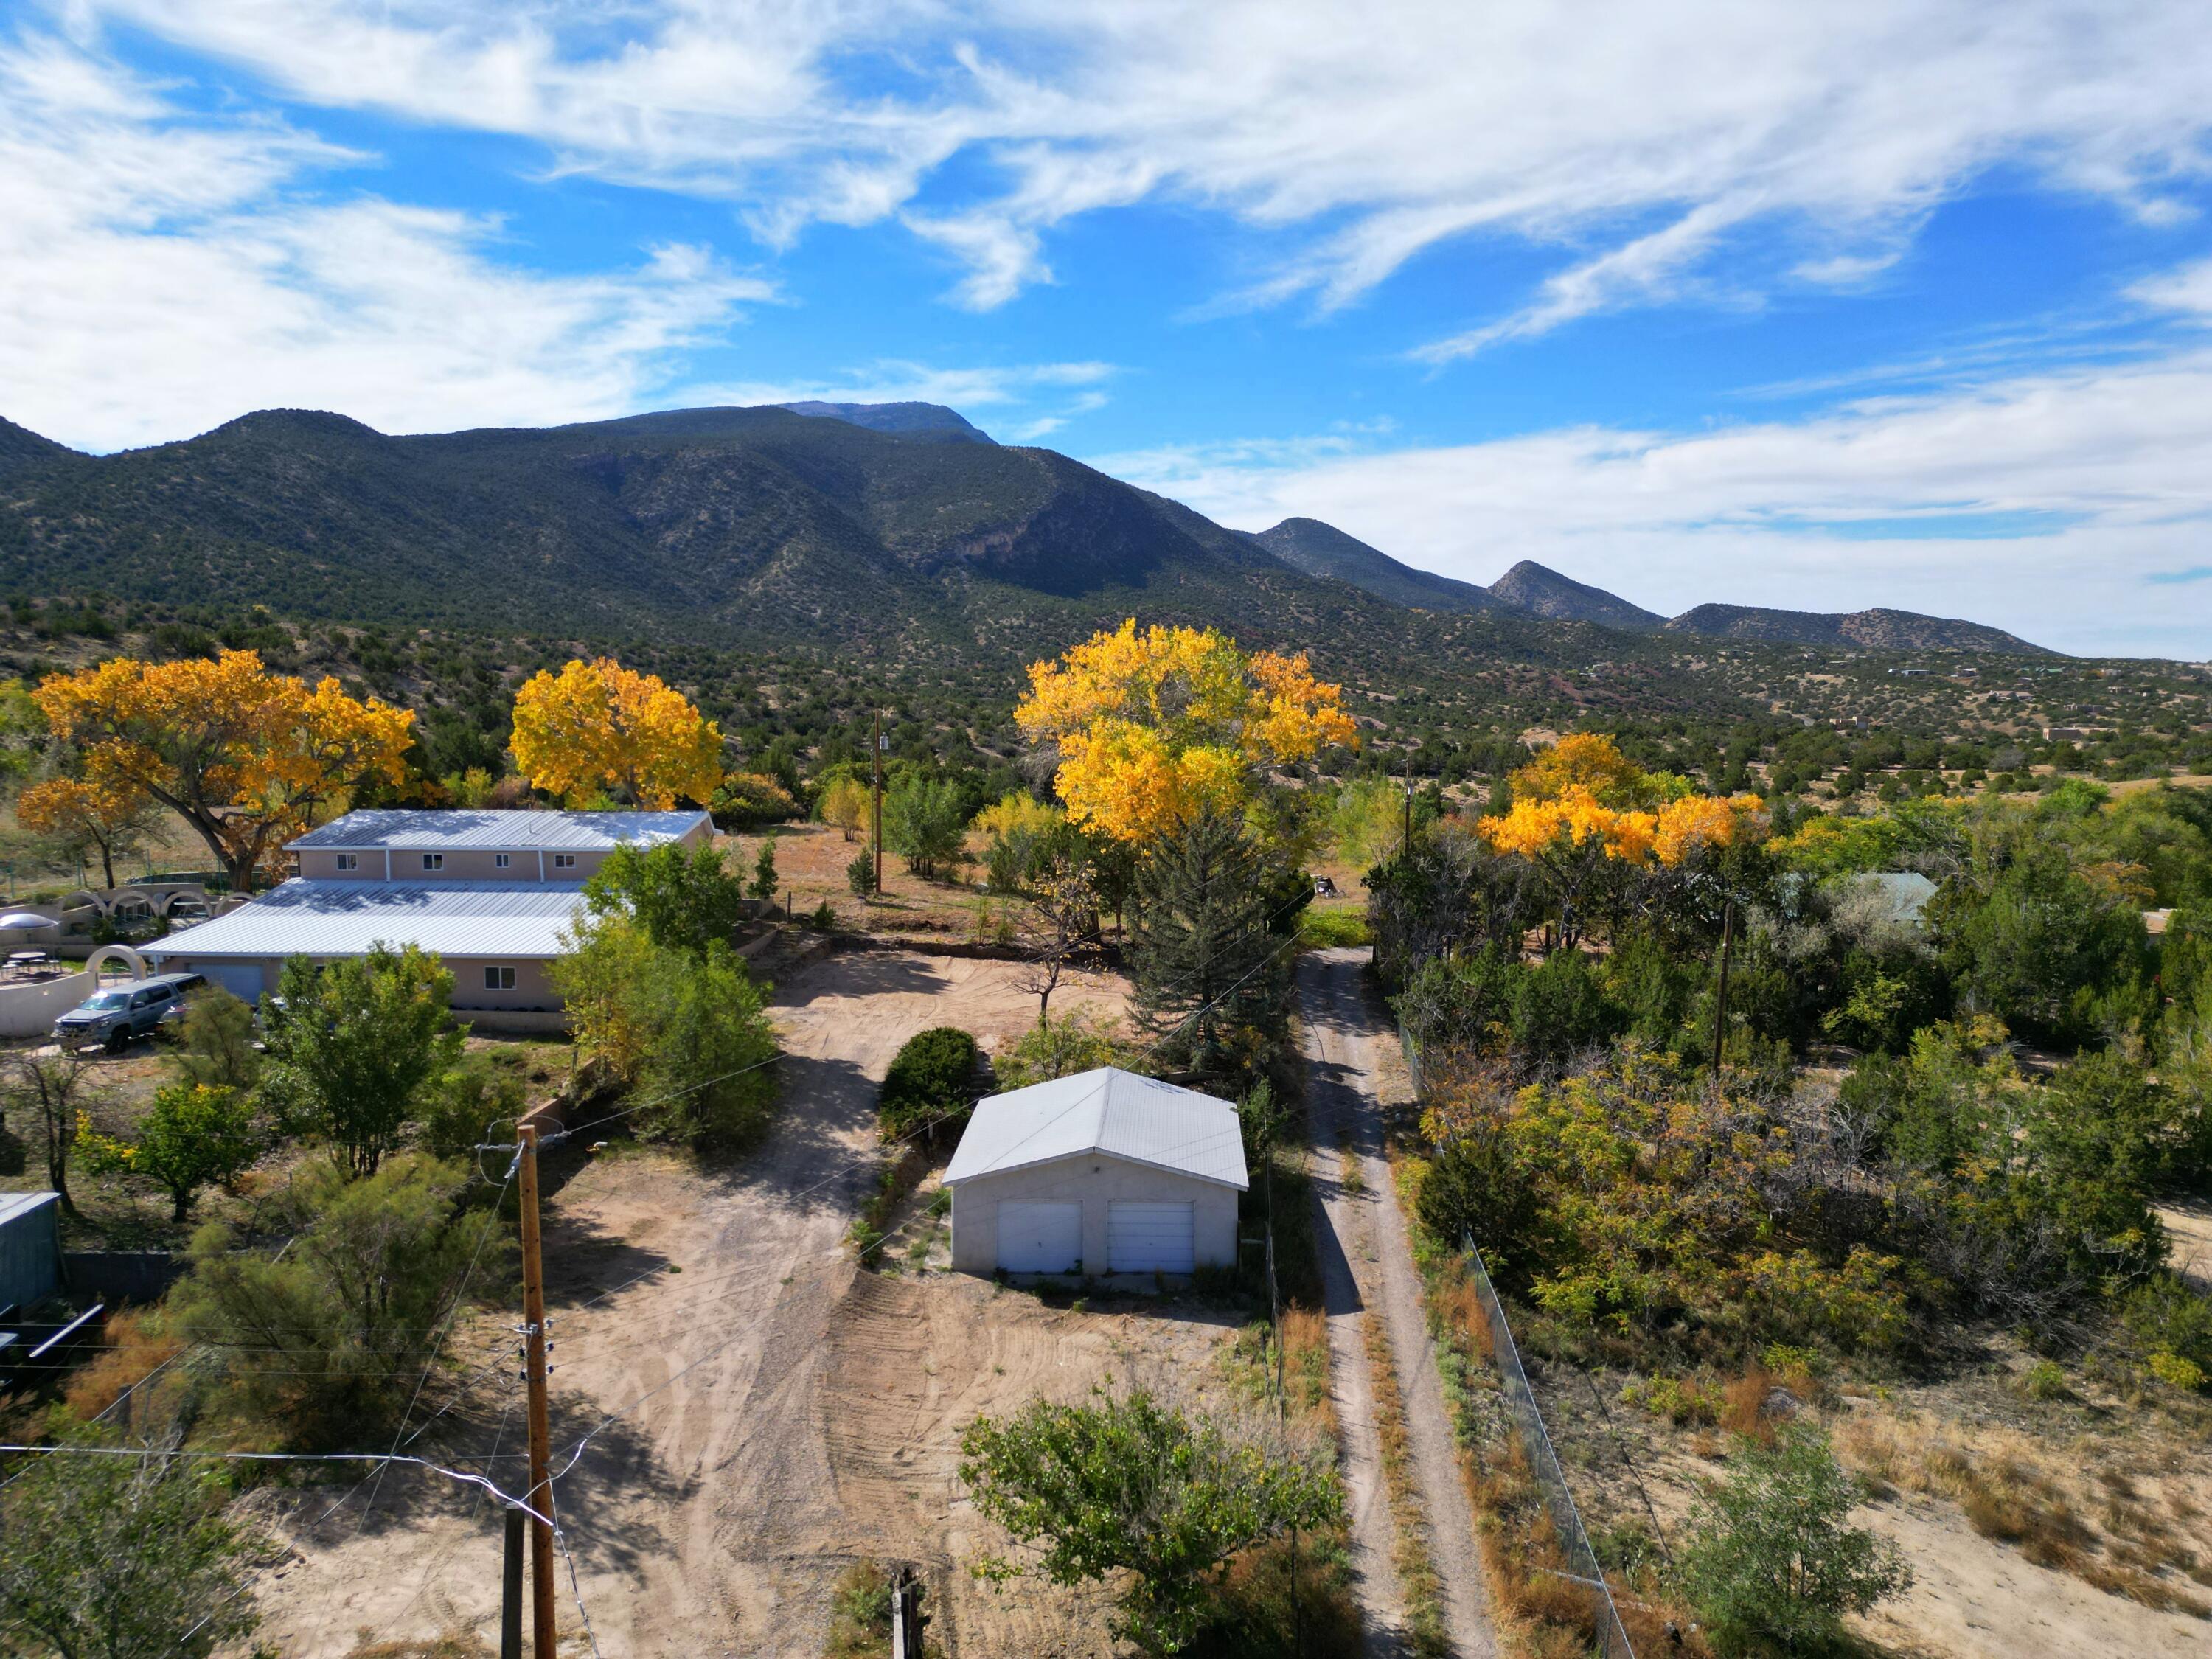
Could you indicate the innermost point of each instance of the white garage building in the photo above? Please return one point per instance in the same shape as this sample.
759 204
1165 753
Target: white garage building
1104 1172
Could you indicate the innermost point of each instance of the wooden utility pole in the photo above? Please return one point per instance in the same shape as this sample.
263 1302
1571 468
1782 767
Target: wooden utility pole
879 804
542 1632
510 1605
1720 1000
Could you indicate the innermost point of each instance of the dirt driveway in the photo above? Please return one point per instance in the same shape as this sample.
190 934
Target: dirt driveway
786 1415
1370 1265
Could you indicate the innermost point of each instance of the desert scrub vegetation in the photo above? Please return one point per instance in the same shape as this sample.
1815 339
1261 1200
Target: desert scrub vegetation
2135 1534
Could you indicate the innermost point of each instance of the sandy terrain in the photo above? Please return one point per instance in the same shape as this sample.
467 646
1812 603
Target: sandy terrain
1364 1230
785 1415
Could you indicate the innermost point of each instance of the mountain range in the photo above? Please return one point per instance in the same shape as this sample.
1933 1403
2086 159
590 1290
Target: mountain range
828 524
1323 550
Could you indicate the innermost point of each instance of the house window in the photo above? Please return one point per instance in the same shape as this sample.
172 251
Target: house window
433 860
349 861
499 979
564 860
498 861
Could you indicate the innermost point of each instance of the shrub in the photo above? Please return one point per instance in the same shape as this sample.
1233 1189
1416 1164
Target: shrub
471 1104
747 799
824 918
217 1041
327 1338
1061 1047
121 1556
2173 1321
860 1612
1774 1565
1132 1485
931 1083
1321 929
2045 1380
860 874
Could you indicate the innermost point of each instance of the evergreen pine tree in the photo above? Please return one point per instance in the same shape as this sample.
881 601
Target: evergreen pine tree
1213 980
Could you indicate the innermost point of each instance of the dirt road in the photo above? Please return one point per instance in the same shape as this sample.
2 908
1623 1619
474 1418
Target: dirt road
1369 1242
778 1416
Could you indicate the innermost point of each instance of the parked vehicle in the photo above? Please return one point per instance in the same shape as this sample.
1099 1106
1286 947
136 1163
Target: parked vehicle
114 1016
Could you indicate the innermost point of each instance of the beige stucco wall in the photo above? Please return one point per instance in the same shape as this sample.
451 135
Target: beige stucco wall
319 864
533 984
1094 1180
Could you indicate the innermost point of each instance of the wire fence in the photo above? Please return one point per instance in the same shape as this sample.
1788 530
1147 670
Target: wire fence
1535 1442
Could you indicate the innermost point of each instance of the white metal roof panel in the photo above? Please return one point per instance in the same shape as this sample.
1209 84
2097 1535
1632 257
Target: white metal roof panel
13 1204
1106 1110
489 830
344 918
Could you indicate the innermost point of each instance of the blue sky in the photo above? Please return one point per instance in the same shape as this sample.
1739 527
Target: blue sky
1832 305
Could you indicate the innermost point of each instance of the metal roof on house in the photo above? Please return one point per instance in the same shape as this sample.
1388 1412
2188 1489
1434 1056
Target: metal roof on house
1901 896
1107 1110
344 918
13 1204
408 830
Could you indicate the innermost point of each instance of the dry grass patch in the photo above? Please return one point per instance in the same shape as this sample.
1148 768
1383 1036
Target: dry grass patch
2013 1492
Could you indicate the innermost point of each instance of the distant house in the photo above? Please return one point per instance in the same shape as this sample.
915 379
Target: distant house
1104 1172
490 891
1898 898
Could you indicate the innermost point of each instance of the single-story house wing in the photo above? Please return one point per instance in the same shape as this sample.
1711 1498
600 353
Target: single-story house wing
1103 1172
491 892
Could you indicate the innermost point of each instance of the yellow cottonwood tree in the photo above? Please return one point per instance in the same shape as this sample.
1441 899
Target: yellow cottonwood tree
1573 812
241 754
597 725
1155 727
108 817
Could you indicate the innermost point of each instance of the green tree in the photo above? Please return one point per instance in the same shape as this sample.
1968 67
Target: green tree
217 1041
120 1558
327 1338
690 1036
193 1135
1213 980
765 876
357 1043
860 874
1775 1565
925 820
1131 1486
685 899
2039 951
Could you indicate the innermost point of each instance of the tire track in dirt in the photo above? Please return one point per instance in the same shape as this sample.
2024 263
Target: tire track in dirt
1341 1031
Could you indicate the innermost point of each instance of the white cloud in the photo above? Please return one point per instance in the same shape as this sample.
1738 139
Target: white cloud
2081 484
161 272
2188 290
1378 127
1074 388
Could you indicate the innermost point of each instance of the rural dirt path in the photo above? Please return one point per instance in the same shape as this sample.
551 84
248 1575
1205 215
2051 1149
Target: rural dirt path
780 1416
1364 1242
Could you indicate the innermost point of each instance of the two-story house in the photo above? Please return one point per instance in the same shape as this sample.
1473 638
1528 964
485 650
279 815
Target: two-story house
491 892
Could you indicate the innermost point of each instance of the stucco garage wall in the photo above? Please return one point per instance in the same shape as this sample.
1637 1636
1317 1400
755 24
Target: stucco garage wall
1094 1180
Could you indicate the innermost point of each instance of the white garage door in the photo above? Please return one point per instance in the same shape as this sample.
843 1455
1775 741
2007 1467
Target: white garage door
1040 1238
1149 1238
241 980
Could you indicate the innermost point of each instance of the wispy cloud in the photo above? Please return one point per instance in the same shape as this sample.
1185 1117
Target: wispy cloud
2042 503
161 271
1379 128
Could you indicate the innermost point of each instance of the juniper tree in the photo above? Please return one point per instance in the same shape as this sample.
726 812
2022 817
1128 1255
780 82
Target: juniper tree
1212 976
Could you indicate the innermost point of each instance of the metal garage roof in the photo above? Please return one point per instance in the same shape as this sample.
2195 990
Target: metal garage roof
344 918
406 829
1107 1110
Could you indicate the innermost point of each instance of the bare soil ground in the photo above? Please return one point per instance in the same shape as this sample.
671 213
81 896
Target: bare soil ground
2114 1494
782 1413
1347 1045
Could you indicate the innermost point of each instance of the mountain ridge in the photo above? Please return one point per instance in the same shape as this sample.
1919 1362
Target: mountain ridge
752 524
